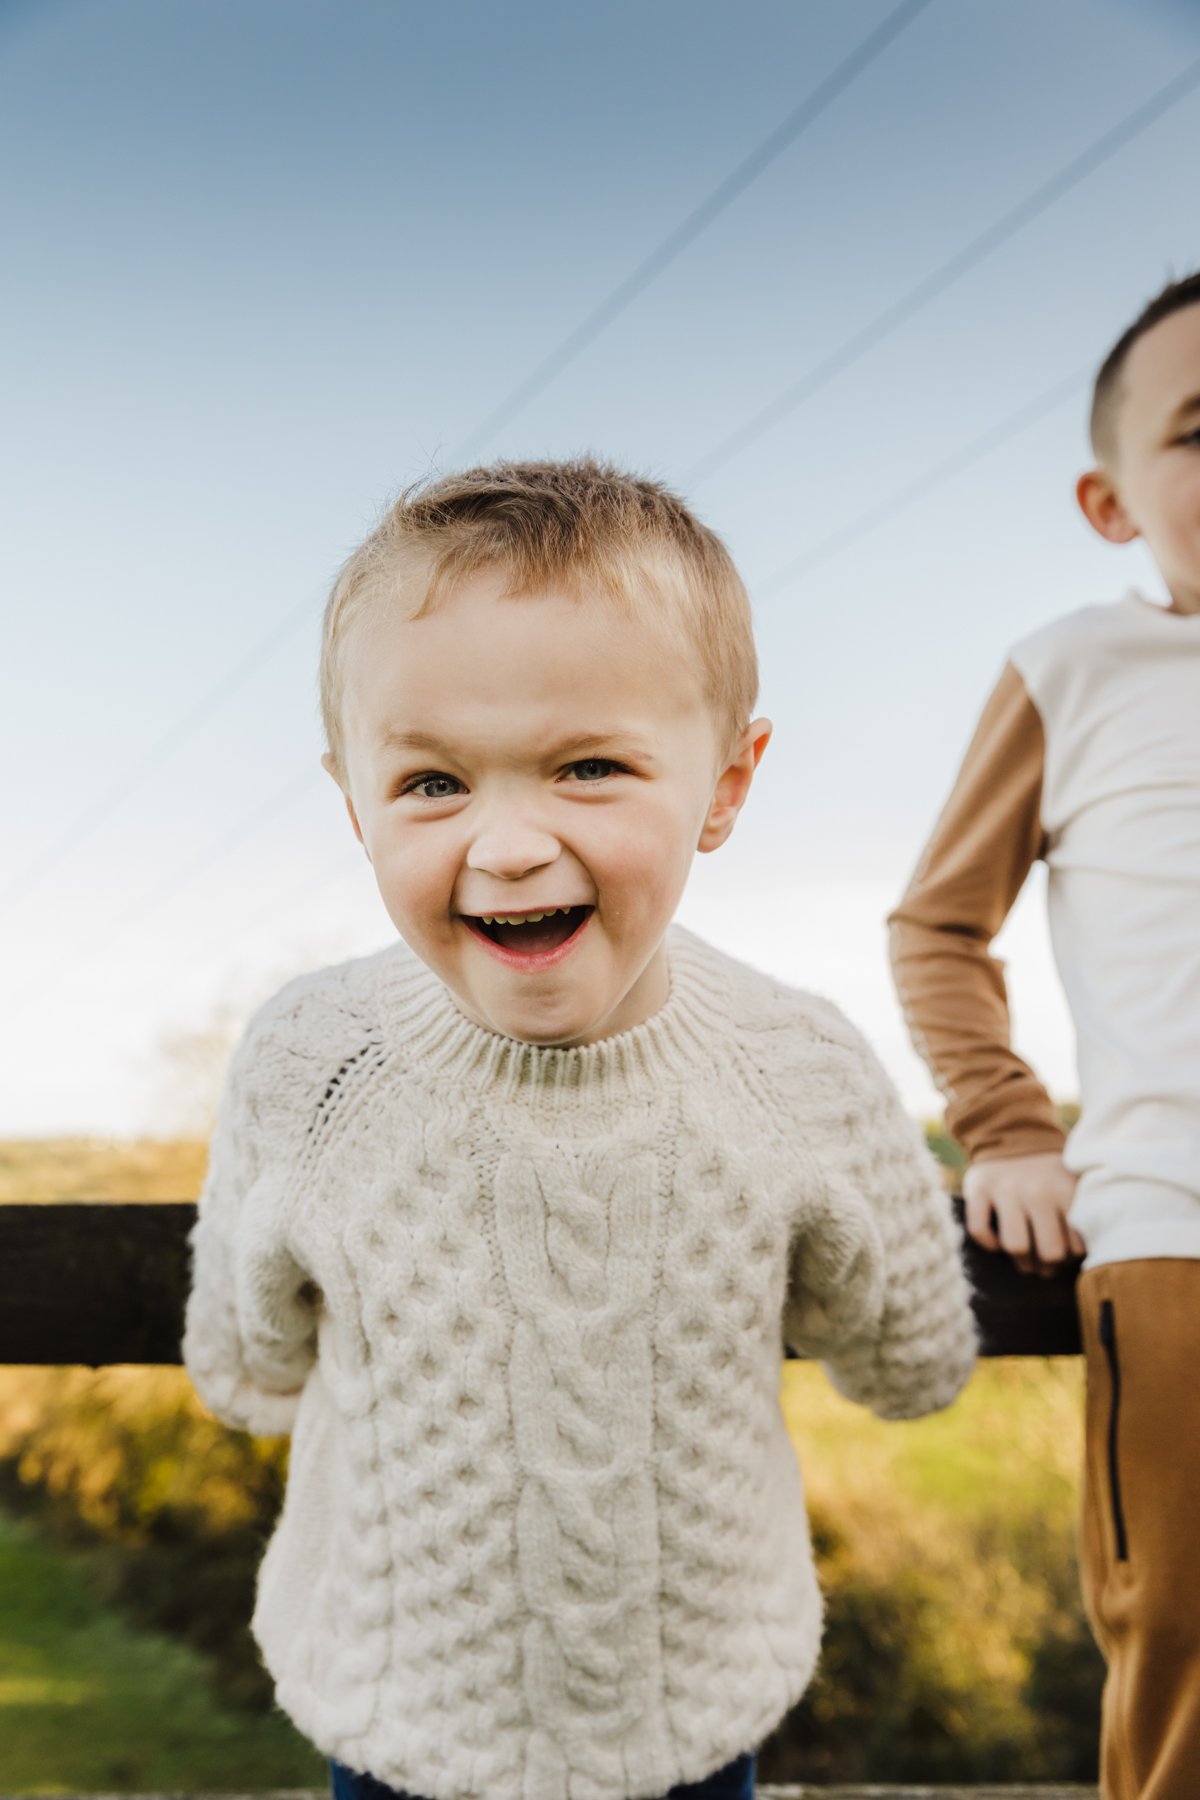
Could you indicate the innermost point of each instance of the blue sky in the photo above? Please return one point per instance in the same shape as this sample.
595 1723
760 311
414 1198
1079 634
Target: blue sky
269 260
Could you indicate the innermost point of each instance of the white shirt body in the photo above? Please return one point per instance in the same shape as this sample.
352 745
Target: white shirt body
1118 690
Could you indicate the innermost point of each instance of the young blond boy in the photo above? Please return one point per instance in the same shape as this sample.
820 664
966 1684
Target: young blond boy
509 1223
1088 756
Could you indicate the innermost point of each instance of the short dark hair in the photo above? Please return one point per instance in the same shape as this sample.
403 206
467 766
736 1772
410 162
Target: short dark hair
1105 393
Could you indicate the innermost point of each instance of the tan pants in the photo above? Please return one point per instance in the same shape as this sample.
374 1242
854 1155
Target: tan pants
1140 1539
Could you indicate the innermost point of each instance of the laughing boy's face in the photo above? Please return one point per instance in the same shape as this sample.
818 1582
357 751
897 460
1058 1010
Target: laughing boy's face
531 777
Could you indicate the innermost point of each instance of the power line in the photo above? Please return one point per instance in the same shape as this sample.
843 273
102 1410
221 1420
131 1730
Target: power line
535 383
150 760
282 905
1044 196
973 451
283 902
696 222
923 485
918 297
251 821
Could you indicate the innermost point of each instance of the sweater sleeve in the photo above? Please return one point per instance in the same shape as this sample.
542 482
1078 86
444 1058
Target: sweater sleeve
950 985
250 1326
877 1289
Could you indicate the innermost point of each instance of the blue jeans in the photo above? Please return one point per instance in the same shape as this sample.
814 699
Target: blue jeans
734 1782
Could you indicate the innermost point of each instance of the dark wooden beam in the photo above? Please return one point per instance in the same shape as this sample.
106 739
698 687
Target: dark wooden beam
1021 1315
93 1281
1058 1791
99 1282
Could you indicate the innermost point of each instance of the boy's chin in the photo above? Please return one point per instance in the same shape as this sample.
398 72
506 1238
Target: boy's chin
566 1030
576 1004
566 1026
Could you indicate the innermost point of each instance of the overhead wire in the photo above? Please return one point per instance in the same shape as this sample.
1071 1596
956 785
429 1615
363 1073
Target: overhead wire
283 797
901 311
1074 172
616 302
844 538
689 229
149 761
923 485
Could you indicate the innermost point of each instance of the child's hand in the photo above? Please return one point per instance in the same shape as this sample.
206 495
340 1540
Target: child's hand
1019 1204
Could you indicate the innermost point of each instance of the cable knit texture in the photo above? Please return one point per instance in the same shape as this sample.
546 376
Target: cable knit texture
522 1310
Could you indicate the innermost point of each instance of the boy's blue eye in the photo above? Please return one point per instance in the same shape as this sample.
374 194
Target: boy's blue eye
446 784
594 768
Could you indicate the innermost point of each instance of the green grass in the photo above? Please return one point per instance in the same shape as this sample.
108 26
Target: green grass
89 1702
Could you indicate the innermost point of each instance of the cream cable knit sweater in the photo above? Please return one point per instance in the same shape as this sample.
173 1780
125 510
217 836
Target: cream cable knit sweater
523 1310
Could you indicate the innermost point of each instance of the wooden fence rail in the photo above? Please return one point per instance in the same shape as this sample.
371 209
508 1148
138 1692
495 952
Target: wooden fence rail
99 1282
769 1792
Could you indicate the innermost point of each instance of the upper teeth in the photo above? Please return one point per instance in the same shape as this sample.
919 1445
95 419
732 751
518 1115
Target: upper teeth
522 918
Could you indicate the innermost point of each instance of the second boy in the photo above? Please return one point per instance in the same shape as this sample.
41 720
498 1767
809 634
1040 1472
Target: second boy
1088 756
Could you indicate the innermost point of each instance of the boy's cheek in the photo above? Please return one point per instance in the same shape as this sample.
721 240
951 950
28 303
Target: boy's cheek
637 859
410 887
656 841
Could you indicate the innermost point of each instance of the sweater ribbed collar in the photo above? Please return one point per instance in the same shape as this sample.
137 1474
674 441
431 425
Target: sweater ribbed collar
427 1029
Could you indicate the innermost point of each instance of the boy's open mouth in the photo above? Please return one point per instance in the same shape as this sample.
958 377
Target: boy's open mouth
530 934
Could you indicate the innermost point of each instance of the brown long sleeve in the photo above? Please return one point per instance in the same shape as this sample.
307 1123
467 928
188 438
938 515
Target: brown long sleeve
950 986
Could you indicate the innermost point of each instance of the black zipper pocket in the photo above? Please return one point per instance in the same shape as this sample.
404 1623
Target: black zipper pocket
1108 1337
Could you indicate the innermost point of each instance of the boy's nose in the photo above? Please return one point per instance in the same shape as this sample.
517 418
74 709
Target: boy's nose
511 848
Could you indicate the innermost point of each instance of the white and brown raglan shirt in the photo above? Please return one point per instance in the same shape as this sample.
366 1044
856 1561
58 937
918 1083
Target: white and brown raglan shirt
1087 756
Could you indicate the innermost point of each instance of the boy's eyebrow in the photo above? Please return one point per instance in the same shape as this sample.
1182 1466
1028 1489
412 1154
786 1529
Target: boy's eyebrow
407 740
628 742
1184 410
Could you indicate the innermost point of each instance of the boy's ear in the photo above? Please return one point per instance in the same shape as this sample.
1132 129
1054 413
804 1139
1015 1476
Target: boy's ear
330 768
1102 507
733 784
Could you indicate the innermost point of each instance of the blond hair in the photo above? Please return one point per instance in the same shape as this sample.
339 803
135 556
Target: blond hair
582 526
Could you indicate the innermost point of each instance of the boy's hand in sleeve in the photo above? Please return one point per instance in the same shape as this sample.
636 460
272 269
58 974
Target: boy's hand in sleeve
251 1318
900 1336
1020 1204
